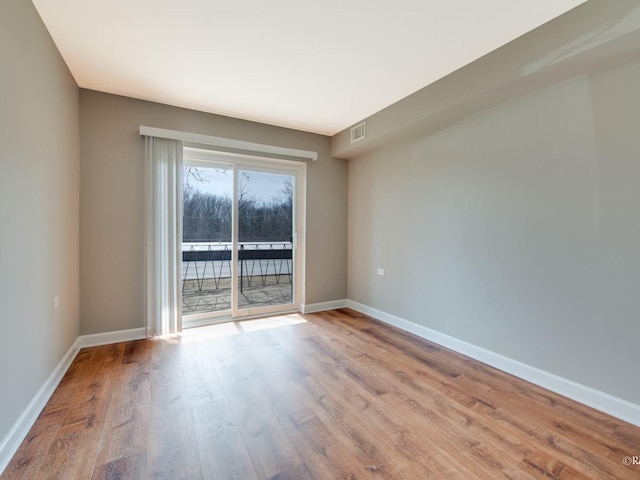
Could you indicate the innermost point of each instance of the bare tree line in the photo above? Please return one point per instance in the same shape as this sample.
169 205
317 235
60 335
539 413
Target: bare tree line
207 217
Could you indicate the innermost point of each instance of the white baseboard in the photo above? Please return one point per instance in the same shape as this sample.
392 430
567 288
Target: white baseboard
20 429
106 338
323 306
617 407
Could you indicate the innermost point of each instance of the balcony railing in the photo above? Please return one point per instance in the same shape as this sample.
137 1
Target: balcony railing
265 272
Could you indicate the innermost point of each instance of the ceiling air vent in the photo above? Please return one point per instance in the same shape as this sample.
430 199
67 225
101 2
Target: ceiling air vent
358 132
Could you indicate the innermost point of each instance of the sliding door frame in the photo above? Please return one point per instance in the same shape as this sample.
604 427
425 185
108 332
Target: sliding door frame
237 162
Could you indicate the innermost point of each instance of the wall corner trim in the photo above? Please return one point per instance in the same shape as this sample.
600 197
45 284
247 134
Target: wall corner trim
604 402
18 432
323 306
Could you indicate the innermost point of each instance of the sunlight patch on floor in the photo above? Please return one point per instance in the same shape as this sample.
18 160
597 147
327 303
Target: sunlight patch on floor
227 329
209 332
271 322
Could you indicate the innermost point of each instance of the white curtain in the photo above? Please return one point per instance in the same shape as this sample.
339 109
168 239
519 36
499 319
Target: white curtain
163 191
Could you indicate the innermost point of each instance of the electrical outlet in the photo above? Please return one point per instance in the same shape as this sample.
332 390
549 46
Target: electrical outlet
55 302
381 272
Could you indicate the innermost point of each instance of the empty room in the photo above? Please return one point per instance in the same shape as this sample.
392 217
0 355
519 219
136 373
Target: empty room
319 240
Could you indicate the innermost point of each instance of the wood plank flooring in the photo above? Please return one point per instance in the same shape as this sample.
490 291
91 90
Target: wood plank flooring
333 395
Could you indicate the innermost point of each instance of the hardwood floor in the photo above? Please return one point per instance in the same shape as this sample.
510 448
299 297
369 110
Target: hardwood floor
333 395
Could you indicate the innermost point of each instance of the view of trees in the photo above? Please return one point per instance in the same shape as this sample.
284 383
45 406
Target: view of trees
207 216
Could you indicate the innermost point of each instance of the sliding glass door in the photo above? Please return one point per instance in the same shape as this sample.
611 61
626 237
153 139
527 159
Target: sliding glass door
207 226
265 238
241 236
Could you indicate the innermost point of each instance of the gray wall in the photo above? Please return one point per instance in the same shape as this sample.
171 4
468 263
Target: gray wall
516 229
39 192
112 217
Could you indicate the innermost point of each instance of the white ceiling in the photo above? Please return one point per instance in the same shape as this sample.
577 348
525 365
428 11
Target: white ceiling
318 66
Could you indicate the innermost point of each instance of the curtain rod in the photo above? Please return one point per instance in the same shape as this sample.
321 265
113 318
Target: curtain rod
226 142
